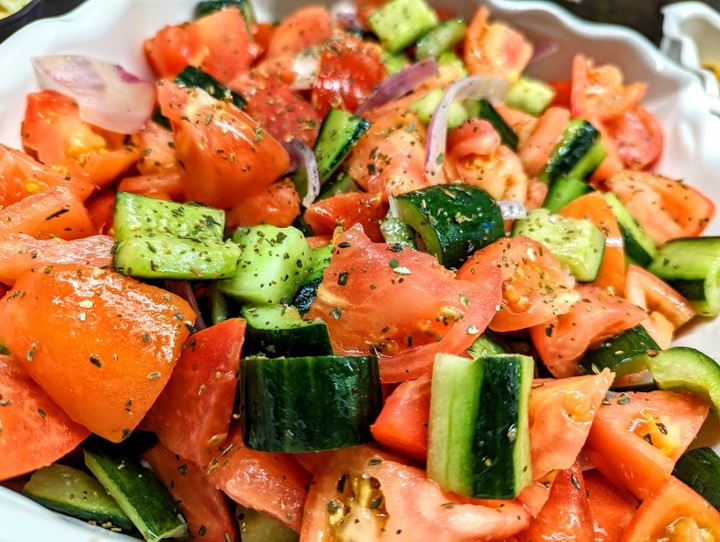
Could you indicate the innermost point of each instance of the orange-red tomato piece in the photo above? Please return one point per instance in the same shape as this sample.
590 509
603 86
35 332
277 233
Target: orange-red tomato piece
278 204
347 210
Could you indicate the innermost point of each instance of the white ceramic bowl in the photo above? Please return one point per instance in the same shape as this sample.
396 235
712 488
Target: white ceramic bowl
114 31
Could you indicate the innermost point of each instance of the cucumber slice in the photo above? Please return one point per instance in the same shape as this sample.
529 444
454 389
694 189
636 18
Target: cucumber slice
273 264
444 37
563 191
394 62
529 95
75 493
452 220
486 345
279 331
399 23
308 404
479 443
342 184
681 368
577 243
196 78
577 155
692 266
258 527
206 7
639 246
700 469
138 492
508 137
425 107
163 239
624 353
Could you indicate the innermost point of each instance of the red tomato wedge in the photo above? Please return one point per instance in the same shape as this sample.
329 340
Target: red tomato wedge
65 321
637 437
165 185
303 28
35 430
347 210
53 131
426 310
21 176
535 286
495 49
402 425
349 71
593 207
20 252
158 149
278 204
193 412
271 483
55 212
674 514
219 44
381 498
596 316
611 508
638 137
204 507
244 159
101 208
667 208
566 514
561 413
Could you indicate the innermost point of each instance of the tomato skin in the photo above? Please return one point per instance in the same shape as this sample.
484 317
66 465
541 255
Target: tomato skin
348 72
173 48
303 28
638 136
20 252
537 148
53 131
674 513
347 210
417 509
597 315
636 437
402 425
158 149
244 158
535 286
425 309
205 508
35 430
566 514
166 185
611 509
561 412
65 320
193 412
278 204
271 483
101 209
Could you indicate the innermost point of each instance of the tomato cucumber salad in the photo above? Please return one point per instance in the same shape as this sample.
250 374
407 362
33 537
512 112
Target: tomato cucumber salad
354 276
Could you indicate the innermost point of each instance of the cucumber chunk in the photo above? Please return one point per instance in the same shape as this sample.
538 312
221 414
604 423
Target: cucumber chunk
139 493
563 191
692 266
258 527
272 265
196 78
425 107
529 95
681 368
639 246
399 23
479 443
577 243
163 239
444 37
624 353
307 404
577 155
700 469
279 331
508 137
73 492
452 220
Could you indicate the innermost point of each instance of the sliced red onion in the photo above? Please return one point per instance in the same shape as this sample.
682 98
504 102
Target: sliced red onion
543 49
305 68
345 16
511 209
183 288
475 87
303 156
399 84
107 95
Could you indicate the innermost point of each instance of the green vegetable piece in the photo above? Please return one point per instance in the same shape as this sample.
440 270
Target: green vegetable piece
563 191
138 492
73 492
196 78
624 353
272 265
577 155
206 7
486 345
639 246
444 37
163 239
529 95
394 62
258 527
399 23
425 107
700 469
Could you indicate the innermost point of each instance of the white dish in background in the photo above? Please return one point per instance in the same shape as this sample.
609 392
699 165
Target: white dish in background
115 30
691 36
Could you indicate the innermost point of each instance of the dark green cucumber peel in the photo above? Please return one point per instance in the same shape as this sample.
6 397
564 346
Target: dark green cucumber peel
309 404
163 239
639 246
479 431
506 133
139 493
700 469
196 78
75 493
453 220
563 191
206 7
577 155
625 353
444 37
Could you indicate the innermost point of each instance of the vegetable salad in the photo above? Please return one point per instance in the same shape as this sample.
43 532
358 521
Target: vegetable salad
353 276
